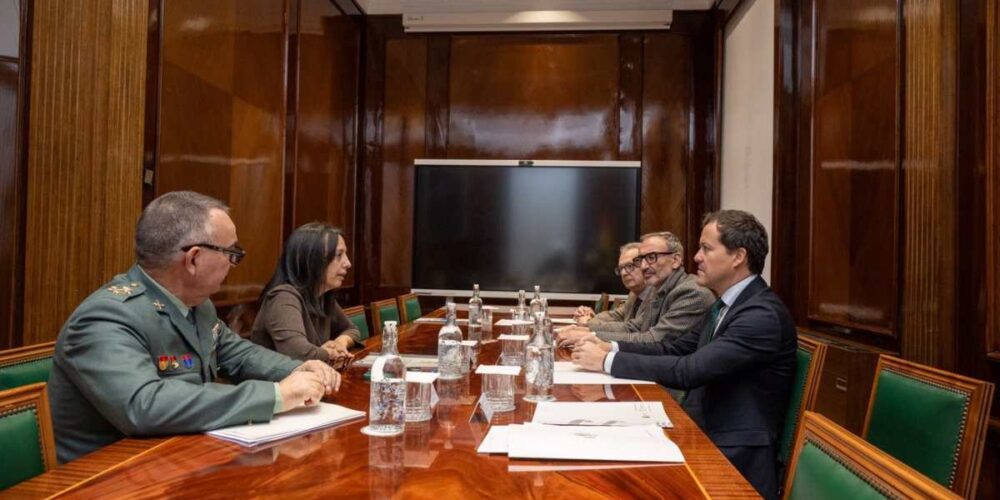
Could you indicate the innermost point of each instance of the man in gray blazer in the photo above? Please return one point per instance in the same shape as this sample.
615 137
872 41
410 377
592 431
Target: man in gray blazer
629 314
676 302
140 356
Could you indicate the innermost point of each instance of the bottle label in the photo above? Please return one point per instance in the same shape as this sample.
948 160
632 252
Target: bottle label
378 368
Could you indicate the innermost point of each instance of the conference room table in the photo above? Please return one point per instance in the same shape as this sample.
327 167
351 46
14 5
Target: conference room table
434 459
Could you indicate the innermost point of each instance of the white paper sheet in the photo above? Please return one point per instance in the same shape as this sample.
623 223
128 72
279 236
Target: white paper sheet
522 338
498 370
439 321
601 413
645 443
563 321
421 377
495 440
285 425
513 322
410 360
566 373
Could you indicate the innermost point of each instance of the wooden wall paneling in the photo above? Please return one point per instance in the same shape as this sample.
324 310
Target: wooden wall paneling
15 69
151 128
703 180
84 153
852 276
785 206
293 25
992 178
666 122
534 97
222 121
630 72
325 116
403 139
928 320
438 105
801 157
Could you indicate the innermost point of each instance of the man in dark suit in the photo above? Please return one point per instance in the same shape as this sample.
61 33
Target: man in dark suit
738 366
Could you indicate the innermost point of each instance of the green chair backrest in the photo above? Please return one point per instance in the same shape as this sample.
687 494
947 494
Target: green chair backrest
361 323
918 423
599 304
412 306
20 440
25 373
803 358
388 312
821 476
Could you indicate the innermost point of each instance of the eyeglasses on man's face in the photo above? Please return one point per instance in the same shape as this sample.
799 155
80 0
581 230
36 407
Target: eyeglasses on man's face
650 257
234 253
626 269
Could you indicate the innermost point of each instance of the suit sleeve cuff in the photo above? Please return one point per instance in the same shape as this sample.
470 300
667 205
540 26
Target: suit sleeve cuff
277 399
614 346
609 359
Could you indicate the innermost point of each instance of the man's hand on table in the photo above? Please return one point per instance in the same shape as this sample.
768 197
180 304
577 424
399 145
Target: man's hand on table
590 354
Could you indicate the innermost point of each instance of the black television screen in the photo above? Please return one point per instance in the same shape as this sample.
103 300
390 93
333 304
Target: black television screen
509 227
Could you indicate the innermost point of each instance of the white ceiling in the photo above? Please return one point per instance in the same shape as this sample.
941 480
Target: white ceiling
429 6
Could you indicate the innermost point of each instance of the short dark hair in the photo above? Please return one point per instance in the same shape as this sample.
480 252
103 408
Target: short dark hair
170 222
303 262
739 229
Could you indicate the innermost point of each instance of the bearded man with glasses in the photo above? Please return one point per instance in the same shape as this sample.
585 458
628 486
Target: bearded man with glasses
141 355
676 303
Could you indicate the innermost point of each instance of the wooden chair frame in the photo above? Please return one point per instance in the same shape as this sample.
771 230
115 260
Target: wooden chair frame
810 391
401 304
26 354
36 396
888 475
604 302
970 454
377 317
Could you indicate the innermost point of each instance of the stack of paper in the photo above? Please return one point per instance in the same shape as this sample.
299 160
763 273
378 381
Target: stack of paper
286 425
439 321
641 443
566 373
410 360
616 414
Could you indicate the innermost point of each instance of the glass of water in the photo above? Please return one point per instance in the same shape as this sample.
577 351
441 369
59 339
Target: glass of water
418 401
499 390
513 352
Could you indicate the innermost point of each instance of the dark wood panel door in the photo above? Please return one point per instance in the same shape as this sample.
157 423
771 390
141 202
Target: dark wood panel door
853 270
222 121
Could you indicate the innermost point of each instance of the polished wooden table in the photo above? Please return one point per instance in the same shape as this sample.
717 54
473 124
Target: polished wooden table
436 459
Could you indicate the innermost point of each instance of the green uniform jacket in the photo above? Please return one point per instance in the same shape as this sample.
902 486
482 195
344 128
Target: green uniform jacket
129 363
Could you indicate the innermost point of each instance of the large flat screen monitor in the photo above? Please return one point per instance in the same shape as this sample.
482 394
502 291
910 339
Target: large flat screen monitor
509 225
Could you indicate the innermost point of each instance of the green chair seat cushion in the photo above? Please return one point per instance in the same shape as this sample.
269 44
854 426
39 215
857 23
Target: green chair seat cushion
20 441
598 305
803 358
388 313
412 308
918 423
820 476
361 324
26 373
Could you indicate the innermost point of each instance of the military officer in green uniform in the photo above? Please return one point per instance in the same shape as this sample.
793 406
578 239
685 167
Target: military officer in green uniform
141 355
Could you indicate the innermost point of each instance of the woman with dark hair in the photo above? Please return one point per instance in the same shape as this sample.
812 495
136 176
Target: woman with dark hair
299 316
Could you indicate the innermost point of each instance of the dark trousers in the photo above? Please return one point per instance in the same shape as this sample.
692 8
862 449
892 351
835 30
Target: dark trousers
759 466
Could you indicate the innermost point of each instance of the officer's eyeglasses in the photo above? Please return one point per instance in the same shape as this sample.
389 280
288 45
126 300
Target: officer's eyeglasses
650 257
627 268
234 253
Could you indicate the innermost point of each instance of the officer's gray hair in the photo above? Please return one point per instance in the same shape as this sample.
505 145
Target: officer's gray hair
170 222
673 242
628 246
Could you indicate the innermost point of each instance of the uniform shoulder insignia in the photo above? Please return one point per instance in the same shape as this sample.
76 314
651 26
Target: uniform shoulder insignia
125 291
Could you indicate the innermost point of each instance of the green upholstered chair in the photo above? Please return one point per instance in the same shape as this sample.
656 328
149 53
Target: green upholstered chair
25 365
26 439
384 310
932 420
409 306
357 316
829 462
601 303
810 357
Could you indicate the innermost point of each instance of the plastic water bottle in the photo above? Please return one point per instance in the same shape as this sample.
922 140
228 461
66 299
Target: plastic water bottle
539 361
450 347
387 399
521 311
